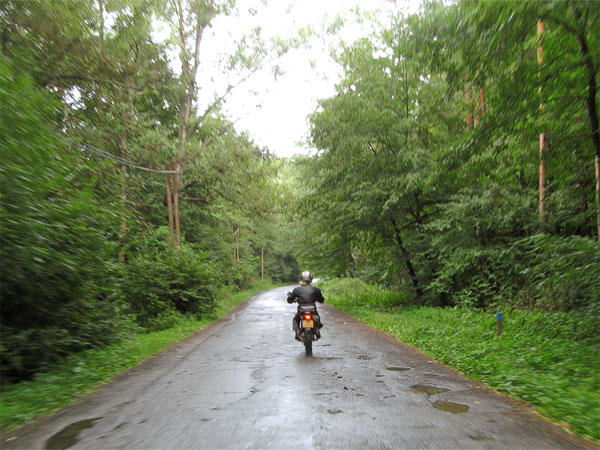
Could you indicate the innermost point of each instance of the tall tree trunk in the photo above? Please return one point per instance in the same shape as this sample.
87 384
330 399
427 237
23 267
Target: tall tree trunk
407 262
598 194
101 9
189 66
542 170
522 179
348 253
351 264
236 249
592 75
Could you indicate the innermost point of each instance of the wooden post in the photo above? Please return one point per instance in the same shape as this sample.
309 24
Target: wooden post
498 324
262 264
176 203
170 207
542 170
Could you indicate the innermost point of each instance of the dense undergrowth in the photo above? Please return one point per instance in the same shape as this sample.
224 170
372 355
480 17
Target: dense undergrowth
548 359
84 371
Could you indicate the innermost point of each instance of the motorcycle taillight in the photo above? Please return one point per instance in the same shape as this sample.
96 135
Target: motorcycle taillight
307 317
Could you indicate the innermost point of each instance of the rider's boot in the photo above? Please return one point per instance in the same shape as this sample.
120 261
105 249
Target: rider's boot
297 332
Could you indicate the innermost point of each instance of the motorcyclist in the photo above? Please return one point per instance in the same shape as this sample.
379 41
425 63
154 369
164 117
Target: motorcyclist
305 295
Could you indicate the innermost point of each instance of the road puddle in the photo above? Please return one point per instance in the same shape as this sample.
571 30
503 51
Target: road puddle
69 436
398 369
429 390
455 408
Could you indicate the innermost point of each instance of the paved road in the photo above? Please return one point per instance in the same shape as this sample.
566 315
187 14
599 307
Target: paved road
245 383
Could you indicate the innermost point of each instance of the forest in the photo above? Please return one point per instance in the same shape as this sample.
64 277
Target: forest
460 158
457 165
123 206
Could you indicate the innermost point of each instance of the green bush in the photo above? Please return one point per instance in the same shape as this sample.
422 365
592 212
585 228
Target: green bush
161 284
564 272
476 261
353 292
244 272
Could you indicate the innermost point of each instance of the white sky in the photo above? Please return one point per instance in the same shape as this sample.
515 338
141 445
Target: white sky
280 122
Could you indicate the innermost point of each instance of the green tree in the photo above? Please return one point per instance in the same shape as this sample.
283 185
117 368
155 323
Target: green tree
58 287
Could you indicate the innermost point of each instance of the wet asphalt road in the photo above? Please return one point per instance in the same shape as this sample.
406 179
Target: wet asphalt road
245 382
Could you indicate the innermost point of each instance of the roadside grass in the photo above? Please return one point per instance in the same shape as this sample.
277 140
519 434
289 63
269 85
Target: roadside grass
81 373
551 360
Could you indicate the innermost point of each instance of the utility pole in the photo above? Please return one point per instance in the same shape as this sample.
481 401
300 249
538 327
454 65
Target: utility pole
170 207
176 203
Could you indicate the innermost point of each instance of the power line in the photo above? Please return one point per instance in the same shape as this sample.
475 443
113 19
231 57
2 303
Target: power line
90 148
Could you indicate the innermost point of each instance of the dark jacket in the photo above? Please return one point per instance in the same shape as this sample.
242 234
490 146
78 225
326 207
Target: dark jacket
306 295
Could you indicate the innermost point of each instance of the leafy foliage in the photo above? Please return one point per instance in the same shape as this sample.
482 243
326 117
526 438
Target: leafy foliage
161 285
90 111
564 273
57 295
427 170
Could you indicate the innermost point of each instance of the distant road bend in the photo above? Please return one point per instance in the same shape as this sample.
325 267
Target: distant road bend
244 382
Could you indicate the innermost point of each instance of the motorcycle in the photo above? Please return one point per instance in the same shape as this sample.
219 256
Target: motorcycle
308 326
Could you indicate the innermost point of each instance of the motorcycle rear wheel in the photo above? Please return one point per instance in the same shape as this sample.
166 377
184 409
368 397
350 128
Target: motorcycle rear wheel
307 337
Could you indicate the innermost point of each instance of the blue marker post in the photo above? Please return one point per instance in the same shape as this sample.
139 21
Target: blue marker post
498 323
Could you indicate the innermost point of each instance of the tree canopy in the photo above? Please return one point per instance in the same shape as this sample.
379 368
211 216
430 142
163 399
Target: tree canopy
96 121
427 171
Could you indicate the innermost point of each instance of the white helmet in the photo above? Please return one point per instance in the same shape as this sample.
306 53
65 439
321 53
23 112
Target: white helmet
306 276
